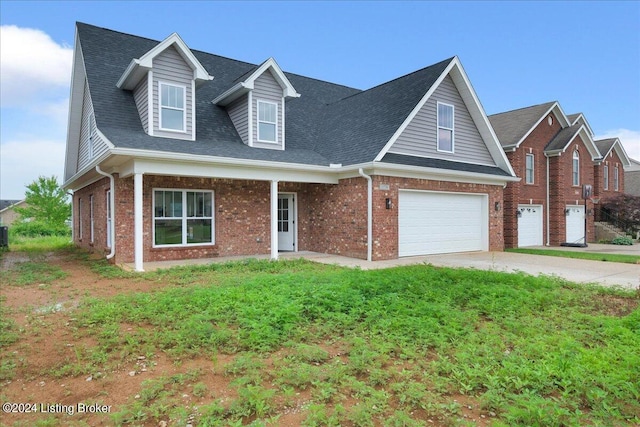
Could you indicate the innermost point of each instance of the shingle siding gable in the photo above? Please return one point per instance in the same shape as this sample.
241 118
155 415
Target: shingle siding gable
239 114
266 88
141 96
99 145
420 136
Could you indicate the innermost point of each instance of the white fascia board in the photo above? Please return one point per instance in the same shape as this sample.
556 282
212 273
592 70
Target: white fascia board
413 113
70 184
619 148
560 115
469 97
137 68
231 94
588 140
288 91
418 172
74 119
584 120
178 164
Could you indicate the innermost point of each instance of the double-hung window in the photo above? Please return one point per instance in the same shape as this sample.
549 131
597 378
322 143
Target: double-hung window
267 121
606 177
615 179
576 168
172 108
182 217
529 177
445 127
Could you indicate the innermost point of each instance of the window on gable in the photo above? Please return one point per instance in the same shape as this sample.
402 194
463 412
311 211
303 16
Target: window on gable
615 179
172 109
445 127
529 177
267 121
576 168
606 177
91 134
182 217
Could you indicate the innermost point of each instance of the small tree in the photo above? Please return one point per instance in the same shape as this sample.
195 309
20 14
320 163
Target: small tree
46 203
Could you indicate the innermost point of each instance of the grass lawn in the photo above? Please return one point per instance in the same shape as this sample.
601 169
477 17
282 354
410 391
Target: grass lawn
628 259
408 346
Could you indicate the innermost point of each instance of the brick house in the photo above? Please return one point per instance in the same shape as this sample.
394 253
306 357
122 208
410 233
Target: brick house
176 154
632 178
609 176
557 158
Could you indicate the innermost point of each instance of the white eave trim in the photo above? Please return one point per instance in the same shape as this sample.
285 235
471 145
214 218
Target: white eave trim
588 142
239 89
137 68
560 115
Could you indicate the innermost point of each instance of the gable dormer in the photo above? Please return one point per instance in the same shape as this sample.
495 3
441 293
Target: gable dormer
581 119
256 105
163 82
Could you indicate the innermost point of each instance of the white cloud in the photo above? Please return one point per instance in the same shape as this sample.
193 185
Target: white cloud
32 66
22 161
630 140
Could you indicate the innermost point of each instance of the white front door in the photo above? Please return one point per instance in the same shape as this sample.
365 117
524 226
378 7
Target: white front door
286 222
575 224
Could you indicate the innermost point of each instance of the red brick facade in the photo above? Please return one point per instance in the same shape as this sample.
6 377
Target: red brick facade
562 192
330 218
613 161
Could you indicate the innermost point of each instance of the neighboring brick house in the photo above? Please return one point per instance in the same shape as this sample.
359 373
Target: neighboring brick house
556 157
175 154
609 176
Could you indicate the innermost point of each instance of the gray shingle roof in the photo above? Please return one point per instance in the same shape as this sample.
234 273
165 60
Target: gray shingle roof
329 123
511 126
560 141
6 203
442 164
605 145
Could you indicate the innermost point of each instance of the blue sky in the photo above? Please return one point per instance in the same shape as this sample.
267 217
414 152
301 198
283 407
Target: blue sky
586 55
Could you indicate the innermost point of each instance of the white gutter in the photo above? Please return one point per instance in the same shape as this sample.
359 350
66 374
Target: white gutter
547 207
112 197
369 211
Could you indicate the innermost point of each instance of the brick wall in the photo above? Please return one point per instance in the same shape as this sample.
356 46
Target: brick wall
385 223
563 193
99 192
612 161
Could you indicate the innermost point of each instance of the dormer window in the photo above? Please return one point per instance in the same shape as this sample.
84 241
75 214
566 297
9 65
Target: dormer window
172 111
267 121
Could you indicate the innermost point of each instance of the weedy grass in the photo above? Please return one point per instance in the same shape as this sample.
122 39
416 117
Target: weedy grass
39 244
624 258
32 272
532 350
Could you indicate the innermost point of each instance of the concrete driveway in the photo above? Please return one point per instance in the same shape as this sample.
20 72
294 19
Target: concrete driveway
575 270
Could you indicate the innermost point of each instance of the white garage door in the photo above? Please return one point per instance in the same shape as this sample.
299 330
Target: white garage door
529 225
575 224
436 223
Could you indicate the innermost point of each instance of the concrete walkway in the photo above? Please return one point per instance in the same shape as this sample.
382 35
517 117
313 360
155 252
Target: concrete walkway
576 270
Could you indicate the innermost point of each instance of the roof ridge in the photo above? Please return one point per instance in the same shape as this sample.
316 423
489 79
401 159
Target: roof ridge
448 60
523 108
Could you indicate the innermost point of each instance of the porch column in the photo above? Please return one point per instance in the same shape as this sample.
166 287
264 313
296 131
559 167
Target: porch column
138 222
274 220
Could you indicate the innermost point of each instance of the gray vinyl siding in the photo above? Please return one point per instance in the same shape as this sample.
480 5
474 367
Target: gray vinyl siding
99 145
266 88
141 97
238 112
169 67
420 136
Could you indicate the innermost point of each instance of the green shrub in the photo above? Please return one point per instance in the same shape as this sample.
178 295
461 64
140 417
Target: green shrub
38 229
627 241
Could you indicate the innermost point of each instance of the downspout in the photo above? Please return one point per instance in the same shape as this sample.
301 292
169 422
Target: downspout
547 207
112 197
369 211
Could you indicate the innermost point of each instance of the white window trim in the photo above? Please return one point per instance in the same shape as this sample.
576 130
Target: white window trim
575 171
91 222
183 218
258 121
606 177
533 168
616 179
183 109
453 139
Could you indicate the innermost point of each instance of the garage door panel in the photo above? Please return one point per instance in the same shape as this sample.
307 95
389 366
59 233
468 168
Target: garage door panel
575 224
432 222
530 225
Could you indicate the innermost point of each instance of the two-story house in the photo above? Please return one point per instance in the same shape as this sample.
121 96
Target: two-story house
174 154
561 167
